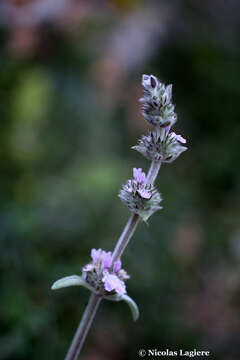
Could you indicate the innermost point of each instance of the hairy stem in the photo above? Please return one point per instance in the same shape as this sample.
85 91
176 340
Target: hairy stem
153 172
83 327
126 235
95 300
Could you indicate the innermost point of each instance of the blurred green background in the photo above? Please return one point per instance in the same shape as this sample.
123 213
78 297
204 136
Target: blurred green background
70 74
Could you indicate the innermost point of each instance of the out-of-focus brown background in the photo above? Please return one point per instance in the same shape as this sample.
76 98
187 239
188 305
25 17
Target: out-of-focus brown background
70 74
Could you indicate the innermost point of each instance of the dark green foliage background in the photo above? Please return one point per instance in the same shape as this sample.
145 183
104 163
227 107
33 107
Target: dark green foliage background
65 151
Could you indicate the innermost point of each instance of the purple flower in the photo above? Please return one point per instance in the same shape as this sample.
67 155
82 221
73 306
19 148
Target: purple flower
103 274
139 176
117 266
178 138
103 257
144 193
112 282
96 255
106 259
139 196
123 275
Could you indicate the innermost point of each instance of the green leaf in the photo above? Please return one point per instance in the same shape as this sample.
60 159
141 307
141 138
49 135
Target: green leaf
133 306
131 303
73 280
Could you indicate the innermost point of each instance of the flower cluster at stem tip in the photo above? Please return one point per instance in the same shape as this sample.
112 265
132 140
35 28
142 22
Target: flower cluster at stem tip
159 145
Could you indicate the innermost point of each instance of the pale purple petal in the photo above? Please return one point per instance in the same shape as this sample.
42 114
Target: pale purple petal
96 255
120 287
144 193
178 138
123 274
112 282
181 139
88 267
117 266
106 259
135 173
108 282
139 176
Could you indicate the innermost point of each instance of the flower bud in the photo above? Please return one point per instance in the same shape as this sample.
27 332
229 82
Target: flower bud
149 82
157 107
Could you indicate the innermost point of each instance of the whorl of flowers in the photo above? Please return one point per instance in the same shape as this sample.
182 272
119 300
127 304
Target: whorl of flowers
161 146
139 197
104 275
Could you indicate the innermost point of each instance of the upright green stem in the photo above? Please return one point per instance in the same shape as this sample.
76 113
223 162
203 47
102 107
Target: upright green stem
83 327
153 172
126 235
95 300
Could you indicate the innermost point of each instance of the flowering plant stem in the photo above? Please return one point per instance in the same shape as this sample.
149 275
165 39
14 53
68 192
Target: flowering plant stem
126 235
153 172
95 299
83 327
